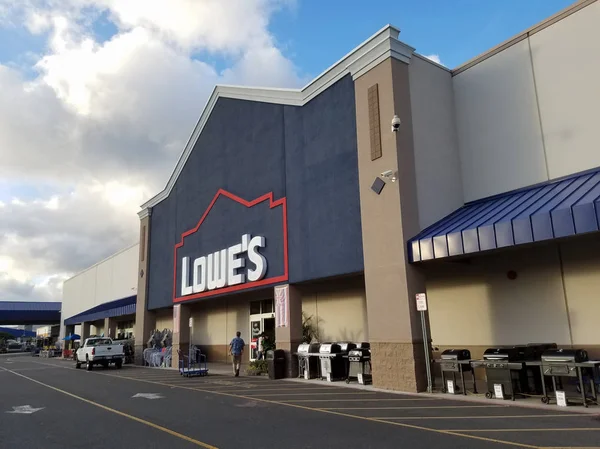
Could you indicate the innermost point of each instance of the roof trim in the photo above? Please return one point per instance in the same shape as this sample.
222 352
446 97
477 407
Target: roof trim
379 47
563 14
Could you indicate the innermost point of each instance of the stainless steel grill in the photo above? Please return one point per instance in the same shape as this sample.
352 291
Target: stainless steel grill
308 361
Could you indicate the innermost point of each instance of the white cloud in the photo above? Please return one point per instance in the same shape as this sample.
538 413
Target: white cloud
102 123
434 58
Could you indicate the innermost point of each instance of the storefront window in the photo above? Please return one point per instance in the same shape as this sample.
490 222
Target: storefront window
267 306
255 307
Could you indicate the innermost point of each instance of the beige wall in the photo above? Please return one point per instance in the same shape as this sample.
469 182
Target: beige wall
164 320
340 314
581 262
567 74
437 162
475 304
529 113
498 124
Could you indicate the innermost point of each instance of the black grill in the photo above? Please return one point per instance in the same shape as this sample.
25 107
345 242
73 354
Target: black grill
504 365
450 358
456 361
359 361
562 362
308 365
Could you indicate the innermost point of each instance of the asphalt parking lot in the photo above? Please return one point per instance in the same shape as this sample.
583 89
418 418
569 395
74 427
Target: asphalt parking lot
157 408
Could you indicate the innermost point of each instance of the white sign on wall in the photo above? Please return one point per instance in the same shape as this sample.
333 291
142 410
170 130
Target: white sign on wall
220 269
282 305
421 302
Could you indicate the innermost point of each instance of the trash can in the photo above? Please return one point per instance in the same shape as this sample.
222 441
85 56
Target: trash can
276 363
359 366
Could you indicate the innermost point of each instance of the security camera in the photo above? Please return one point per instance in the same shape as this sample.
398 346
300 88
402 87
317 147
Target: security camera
396 123
389 174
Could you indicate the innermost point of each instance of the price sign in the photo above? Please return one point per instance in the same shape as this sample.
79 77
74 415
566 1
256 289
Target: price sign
499 391
450 386
561 399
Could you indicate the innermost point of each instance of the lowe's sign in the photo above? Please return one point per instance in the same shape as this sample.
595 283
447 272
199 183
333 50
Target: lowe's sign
225 268
235 245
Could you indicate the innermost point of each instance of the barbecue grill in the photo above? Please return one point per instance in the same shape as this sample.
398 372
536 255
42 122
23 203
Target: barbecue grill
559 363
346 347
456 361
332 363
308 364
536 383
359 360
504 366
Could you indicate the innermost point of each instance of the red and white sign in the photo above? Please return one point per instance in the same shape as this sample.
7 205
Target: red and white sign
421 302
282 305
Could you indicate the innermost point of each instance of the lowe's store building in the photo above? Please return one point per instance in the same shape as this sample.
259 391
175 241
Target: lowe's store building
388 176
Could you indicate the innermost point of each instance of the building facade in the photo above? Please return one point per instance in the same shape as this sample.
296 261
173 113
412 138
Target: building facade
101 299
292 203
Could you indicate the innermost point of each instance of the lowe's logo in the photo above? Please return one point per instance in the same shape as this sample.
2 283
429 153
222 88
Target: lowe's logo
225 268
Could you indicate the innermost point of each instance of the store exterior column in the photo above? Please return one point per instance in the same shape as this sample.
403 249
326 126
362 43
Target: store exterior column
181 331
110 328
69 330
288 325
388 220
145 321
85 331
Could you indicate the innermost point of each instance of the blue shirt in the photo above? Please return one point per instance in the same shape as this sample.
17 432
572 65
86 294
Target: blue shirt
237 344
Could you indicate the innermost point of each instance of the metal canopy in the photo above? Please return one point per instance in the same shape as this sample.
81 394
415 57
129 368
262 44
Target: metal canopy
28 312
560 208
120 307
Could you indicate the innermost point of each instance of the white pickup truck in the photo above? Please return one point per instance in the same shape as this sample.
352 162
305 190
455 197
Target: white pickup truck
99 351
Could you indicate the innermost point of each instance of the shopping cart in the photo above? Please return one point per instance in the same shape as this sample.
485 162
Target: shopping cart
193 363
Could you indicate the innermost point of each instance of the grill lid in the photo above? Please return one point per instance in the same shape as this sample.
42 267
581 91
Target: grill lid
565 355
456 354
360 352
506 353
330 348
346 346
537 349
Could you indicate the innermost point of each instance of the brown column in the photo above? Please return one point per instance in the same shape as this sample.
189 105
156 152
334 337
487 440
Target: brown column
110 328
145 321
289 336
85 332
181 331
388 220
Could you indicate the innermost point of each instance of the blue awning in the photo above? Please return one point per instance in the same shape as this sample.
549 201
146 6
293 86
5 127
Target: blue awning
120 307
17 332
72 337
29 312
559 208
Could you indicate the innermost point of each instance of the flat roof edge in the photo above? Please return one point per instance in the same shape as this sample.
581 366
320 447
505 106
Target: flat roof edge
563 14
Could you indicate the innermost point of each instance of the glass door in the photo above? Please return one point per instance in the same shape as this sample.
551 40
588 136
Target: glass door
262 323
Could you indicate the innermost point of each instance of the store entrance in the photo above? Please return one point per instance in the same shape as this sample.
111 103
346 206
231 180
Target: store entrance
262 322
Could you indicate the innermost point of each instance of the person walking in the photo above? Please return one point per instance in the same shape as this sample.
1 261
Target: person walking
236 349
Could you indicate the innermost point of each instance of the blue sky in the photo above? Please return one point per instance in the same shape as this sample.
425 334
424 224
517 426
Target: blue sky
319 32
